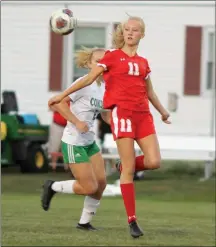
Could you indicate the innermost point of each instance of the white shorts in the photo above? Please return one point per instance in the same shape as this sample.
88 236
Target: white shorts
55 135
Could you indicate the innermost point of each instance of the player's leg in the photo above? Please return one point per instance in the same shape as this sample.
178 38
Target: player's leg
123 132
98 166
150 147
92 202
55 135
127 156
79 163
147 140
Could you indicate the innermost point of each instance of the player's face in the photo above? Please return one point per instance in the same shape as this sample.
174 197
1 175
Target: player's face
132 32
96 57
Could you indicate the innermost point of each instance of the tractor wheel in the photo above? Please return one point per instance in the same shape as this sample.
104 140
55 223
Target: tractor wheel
3 136
36 160
3 131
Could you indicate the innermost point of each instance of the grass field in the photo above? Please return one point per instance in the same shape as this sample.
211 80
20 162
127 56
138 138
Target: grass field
173 212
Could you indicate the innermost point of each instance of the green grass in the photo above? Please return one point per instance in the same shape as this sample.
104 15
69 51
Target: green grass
173 211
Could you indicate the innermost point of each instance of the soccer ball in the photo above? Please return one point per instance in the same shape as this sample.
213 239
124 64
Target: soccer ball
63 22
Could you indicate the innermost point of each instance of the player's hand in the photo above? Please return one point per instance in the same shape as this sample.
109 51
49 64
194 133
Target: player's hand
55 100
82 126
164 117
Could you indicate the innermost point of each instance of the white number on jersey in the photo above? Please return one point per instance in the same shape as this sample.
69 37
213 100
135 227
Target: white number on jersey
133 69
125 126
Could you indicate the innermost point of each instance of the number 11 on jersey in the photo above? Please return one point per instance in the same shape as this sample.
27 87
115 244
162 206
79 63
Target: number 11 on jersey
133 69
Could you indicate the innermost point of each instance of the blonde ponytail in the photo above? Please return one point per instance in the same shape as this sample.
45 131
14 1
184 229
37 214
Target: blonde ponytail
83 58
117 37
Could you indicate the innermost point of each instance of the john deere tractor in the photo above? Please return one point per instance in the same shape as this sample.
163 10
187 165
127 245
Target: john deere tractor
22 138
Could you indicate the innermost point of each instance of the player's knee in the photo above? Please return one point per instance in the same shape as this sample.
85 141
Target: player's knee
128 170
102 184
154 163
91 187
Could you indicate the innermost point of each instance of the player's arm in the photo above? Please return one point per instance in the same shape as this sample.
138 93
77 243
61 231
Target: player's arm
64 110
83 82
152 96
106 116
104 64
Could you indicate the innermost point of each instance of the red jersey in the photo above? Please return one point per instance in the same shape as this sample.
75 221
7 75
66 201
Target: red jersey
124 78
58 119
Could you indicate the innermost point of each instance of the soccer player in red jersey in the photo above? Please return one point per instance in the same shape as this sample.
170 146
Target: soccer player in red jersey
128 90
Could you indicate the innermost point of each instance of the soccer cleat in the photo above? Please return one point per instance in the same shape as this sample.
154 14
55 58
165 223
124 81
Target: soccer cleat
86 227
47 194
135 230
118 166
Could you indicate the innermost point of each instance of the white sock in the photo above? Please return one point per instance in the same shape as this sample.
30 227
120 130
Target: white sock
89 209
64 186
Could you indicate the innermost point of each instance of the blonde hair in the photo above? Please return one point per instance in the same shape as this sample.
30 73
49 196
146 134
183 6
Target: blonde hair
83 58
117 36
